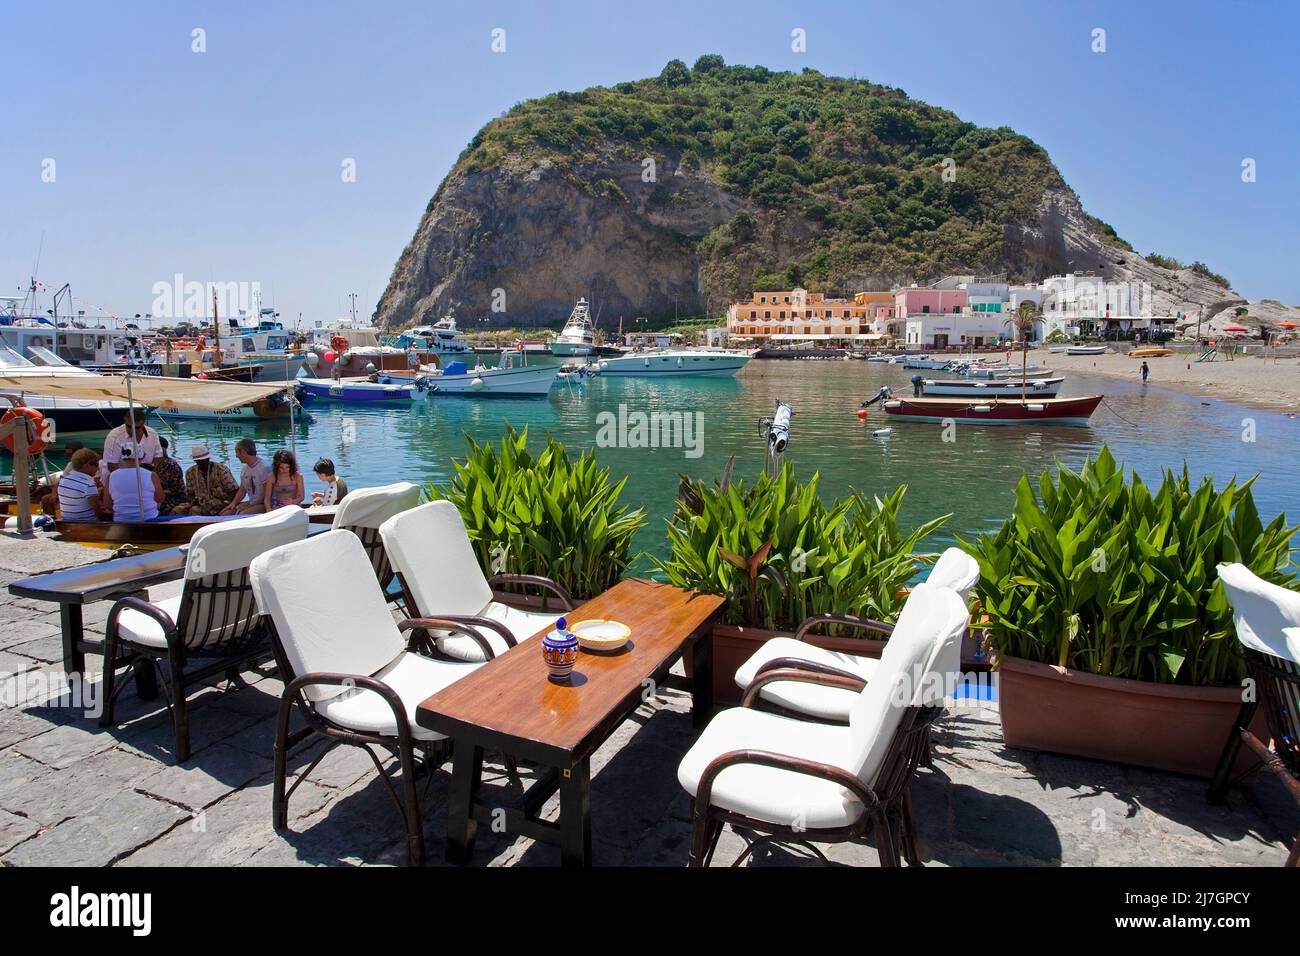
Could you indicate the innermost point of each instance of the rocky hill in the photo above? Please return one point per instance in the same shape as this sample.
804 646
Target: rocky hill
679 193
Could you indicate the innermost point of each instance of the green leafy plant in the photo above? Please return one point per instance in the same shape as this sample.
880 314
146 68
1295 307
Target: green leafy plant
546 514
1098 574
779 553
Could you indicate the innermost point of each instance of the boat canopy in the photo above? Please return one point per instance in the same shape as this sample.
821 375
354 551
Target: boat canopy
153 390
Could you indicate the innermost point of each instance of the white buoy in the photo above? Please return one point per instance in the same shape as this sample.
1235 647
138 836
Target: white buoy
882 433
476 383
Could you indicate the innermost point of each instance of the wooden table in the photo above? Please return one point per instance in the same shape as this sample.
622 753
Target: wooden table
509 704
73 588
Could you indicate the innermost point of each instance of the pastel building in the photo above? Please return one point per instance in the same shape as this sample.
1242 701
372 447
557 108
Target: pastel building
797 315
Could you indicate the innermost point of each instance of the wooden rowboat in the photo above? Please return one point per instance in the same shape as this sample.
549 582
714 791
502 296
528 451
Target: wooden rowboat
158 533
995 411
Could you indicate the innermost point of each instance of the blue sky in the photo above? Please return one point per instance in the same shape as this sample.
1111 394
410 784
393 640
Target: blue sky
226 165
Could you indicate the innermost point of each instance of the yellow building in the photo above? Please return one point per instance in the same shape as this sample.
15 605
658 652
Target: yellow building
798 314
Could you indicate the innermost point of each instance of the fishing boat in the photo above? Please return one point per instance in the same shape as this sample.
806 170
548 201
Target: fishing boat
441 339
358 391
982 388
1087 350
926 362
699 363
577 337
278 407
997 410
165 532
510 378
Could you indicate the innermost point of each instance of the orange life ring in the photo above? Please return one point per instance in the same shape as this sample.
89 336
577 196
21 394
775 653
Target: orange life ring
37 420
339 343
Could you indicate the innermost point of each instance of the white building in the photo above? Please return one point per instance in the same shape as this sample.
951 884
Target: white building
1089 305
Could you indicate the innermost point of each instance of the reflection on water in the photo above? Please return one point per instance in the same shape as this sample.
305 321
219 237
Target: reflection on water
972 477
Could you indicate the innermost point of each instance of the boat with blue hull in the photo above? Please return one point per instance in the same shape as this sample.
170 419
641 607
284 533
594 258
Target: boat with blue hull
358 391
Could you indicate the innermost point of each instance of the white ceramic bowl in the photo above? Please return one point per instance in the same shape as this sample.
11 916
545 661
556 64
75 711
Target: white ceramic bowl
601 635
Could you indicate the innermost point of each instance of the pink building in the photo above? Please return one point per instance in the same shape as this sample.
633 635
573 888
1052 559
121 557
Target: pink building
915 301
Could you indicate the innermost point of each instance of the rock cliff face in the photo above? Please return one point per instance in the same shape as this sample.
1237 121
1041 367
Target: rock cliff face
674 197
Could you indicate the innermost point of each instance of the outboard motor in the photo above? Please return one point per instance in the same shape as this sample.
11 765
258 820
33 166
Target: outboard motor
880 396
918 386
778 430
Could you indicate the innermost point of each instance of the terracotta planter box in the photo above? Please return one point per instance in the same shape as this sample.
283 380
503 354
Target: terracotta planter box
1162 726
733 645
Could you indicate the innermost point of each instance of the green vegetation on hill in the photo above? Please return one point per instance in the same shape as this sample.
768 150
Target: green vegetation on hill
863 165
1200 268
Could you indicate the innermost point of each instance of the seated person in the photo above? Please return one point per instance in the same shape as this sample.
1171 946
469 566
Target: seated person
209 484
335 487
78 489
173 482
284 487
132 493
252 481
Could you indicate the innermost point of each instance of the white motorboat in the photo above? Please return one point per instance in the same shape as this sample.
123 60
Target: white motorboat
71 416
510 378
1087 350
702 363
577 337
442 339
981 388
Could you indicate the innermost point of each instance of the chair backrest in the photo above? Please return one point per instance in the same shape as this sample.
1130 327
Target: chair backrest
364 510
327 608
931 619
218 615
1267 616
431 550
957 570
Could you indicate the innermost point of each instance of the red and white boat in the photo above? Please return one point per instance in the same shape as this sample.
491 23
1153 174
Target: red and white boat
998 410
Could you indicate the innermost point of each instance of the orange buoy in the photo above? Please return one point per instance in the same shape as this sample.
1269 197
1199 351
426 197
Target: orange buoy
862 414
37 423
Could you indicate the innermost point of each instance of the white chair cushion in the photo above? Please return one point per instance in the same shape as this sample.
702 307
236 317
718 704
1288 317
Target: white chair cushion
412 677
777 796
327 607
932 619
140 629
429 547
232 545
522 624
1267 616
371 507
955 569
822 703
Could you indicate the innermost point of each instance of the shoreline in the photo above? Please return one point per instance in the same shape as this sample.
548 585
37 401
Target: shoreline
1250 381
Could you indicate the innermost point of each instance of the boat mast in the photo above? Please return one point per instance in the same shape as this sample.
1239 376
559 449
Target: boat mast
216 328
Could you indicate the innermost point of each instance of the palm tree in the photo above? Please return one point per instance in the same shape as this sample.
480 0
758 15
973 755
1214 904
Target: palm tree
1022 321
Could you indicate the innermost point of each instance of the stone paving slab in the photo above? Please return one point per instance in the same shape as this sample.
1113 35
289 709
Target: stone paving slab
74 793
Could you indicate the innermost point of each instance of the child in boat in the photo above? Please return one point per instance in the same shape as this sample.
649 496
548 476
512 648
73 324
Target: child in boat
335 487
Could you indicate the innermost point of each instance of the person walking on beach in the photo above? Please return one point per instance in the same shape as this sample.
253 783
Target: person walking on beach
252 481
208 484
1146 370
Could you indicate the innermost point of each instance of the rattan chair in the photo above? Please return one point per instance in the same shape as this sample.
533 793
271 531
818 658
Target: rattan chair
802 782
440 576
833 701
1267 619
363 511
347 668
210 627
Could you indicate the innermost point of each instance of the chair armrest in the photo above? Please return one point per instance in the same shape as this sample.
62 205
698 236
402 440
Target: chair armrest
354 680
829 678
554 587
848 620
767 758
455 624
152 611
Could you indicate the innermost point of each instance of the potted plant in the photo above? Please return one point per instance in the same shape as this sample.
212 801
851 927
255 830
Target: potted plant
779 554
1113 636
544 514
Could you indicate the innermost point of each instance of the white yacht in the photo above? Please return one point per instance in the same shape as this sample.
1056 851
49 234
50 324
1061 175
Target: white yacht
441 338
699 363
577 337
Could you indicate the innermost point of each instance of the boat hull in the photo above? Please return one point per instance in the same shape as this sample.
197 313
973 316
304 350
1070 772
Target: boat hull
358 393
998 411
570 349
524 382
701 365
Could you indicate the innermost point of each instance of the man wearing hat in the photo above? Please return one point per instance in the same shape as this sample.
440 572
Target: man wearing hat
209 485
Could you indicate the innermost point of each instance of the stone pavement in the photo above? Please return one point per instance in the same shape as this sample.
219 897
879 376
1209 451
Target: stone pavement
72 793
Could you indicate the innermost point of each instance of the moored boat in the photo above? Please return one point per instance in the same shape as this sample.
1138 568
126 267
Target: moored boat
702 363
509 379
996 411
984 388
1087 350
577 336
1150 352
357 390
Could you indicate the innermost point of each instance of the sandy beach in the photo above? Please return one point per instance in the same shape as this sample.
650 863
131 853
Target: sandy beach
1246 380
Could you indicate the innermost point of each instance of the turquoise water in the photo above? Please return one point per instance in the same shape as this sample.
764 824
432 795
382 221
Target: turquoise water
972 477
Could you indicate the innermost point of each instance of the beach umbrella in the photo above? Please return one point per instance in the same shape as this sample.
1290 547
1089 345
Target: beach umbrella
1288 325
